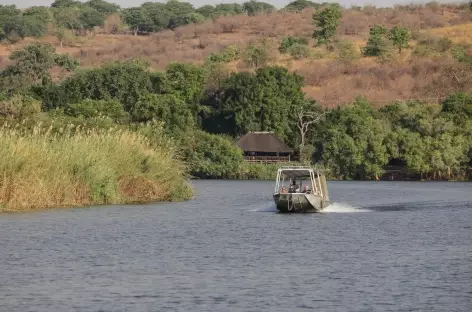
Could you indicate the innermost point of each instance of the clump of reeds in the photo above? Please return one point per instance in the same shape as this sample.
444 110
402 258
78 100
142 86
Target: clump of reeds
41 168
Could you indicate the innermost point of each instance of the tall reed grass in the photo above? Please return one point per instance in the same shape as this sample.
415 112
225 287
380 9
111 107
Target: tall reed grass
41 168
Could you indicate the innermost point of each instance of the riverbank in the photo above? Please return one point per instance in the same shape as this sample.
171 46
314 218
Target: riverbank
40 169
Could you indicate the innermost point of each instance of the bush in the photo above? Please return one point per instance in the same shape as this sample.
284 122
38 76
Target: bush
95 108
231 53
213 156
377 44
256 55
460 54
347 52
19 106
76 168
431 45
299 51
290 41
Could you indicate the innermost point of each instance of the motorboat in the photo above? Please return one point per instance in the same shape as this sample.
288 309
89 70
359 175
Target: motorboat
300 189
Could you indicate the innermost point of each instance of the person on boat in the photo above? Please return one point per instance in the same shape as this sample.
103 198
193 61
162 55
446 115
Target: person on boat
284 190
305 188
294 188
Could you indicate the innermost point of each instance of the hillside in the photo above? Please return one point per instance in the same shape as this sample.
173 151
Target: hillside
424 70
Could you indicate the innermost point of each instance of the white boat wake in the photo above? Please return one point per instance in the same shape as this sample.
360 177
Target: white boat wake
332 208
342 208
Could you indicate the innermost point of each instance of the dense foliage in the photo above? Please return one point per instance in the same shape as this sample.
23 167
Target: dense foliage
356 141
82 17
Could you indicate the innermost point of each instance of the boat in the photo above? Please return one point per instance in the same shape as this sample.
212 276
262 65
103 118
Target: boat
306 190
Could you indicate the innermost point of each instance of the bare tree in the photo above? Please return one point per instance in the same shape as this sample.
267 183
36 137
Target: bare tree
308 114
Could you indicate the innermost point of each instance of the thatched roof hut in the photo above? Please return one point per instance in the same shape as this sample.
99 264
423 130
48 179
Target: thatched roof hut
264 146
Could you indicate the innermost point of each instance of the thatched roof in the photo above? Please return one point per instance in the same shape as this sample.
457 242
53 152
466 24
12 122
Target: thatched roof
265 142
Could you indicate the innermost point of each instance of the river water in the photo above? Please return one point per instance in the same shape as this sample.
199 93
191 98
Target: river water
382 246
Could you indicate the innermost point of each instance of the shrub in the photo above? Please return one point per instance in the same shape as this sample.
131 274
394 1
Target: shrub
347 52
400 36
460 54
299 51
429 44
95 108
231 53
77 168
19 106
256 55
377 43
290 41
213 156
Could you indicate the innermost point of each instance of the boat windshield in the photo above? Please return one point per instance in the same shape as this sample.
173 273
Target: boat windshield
295 180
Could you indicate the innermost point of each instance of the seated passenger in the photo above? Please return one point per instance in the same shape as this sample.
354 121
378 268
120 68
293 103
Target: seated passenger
284 190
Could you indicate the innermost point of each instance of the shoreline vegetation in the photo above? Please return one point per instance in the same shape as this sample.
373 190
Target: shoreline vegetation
41 169
110 125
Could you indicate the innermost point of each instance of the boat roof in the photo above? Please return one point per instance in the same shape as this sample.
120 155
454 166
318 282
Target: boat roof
296 172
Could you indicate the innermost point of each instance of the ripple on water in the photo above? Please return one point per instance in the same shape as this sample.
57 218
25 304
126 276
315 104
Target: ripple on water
411 251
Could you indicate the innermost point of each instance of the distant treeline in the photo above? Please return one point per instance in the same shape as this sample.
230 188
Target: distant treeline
81 17
204 110
84 17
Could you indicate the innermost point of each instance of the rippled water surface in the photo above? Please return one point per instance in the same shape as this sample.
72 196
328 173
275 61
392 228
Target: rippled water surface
382 246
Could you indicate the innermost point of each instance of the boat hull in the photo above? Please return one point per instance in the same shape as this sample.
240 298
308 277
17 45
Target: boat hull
299 203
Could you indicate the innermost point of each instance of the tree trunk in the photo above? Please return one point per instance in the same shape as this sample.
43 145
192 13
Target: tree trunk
302 143
136 31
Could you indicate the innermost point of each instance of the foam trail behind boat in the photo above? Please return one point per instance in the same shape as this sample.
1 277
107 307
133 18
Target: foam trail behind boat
265 208
342 208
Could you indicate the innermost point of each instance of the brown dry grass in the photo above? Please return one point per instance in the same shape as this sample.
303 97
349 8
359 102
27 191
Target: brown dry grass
40 170
327 80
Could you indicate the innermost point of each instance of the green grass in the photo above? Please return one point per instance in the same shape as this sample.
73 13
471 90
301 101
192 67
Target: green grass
41 168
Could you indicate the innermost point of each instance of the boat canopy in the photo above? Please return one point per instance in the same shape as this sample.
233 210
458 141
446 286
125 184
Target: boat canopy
296 172
317 182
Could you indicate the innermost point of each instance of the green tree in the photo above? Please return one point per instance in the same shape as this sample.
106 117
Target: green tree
346 143
32 64
300 5
123 81
327 21
256 55
65 3
104 7
255 7
67 17
207 10
15 26
264 101
156 17
42 13
188 82
377 43
400 36
95 108
177 11
90 18
166 108
459 105
136 18
213 156
228 9
289 41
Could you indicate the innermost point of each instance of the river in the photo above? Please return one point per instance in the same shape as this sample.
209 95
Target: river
381 246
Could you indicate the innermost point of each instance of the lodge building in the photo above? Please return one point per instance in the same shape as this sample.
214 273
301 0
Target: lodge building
264 147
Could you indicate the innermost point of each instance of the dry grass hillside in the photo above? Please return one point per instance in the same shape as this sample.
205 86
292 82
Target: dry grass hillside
413 73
